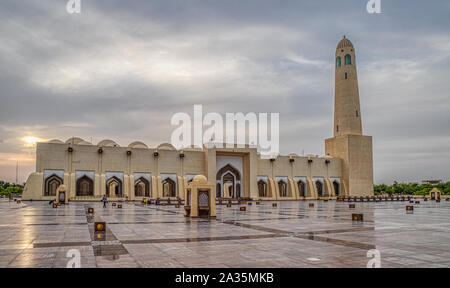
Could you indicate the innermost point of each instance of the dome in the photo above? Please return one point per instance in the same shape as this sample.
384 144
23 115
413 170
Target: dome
108 143
344 43
326 157
138 144
200 179
74 141
55 141
166 146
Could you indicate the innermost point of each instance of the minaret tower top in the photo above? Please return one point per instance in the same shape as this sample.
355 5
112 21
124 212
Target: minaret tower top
347 114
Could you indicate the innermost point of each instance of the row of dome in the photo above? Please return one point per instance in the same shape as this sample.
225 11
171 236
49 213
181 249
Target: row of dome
141 145
111 143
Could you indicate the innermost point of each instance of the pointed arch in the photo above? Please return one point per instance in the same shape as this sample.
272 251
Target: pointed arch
114 187
227 168
282 187
141 187
85 186
229 178
348 59
337 188
262 188
51 184
169 188
301 188
338 61
319 187
218 190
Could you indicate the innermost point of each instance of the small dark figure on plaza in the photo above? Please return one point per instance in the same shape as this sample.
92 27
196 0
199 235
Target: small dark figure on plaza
104 199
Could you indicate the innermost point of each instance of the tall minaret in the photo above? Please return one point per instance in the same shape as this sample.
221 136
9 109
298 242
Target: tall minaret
347 113
348 143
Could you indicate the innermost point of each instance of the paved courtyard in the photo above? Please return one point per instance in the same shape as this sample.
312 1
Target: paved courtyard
33 234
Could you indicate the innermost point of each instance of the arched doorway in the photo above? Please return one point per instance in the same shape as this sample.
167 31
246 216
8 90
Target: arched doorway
85 186
218 190
228 185
282 187
114 187
229 180
301 188
319 188
51 184
141 187
169 188
262 189
337 188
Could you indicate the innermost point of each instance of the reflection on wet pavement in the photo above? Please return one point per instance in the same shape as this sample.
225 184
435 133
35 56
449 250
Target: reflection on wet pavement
289 235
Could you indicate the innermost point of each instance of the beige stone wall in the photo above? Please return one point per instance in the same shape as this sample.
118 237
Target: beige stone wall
53 156
357 163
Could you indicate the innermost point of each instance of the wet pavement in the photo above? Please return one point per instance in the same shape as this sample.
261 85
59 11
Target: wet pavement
33 234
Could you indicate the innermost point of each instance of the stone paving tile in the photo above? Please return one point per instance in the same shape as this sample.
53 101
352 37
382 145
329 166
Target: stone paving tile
34 234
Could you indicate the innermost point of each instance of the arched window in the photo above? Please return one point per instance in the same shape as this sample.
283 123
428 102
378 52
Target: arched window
338 61
301 188
283 188
319 187
51 184
169 189
262 188
114 187
141 187
337 187
348 59
85 186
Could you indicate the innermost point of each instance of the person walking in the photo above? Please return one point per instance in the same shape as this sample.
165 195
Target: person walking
104 201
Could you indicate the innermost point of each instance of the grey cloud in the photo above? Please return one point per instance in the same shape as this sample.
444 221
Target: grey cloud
120 69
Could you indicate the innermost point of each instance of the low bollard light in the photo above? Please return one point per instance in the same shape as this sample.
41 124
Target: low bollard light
351 206
357 217
243 208
91 210
100 236
100 226
409 208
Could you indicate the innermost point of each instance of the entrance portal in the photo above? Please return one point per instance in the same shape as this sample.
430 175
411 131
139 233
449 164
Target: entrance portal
229 178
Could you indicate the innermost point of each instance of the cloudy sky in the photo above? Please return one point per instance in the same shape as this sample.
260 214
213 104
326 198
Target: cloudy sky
121 69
